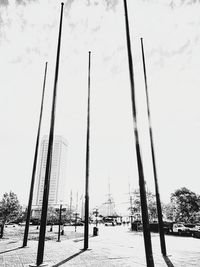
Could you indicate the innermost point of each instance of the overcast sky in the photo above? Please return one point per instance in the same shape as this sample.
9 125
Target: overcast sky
28 38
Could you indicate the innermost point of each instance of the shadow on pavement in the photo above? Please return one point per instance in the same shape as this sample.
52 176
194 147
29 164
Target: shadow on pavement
68 259
10 250
168 262
81 239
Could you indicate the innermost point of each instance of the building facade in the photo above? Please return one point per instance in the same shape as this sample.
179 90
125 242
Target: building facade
57 189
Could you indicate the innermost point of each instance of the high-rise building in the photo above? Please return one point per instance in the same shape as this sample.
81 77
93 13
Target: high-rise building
57 189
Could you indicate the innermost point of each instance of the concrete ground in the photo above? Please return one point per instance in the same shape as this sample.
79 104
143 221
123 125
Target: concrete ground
114 246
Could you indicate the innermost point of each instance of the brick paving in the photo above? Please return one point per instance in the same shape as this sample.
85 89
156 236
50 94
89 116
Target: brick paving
115 246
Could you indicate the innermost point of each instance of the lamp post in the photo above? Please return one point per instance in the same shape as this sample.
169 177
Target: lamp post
76 217
96 212
131 210
95 229
59 226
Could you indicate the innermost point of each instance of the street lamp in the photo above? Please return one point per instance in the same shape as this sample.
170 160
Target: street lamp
76 217
59 225
95 229
96 212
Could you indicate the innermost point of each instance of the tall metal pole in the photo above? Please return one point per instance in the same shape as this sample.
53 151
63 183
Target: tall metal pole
145 216
158 202
40 252
86 226
34 166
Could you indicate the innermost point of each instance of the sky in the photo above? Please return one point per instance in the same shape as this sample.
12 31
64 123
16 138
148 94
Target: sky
171 35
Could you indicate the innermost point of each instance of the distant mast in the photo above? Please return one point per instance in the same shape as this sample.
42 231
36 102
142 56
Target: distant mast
111 203
70 207
109 199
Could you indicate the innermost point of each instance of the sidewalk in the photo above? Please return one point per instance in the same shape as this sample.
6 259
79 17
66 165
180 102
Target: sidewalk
113 247
69 253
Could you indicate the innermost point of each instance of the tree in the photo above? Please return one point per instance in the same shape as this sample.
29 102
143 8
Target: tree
136 205
21 217
9 208
151 203
152 207
52 216
185 204
168 211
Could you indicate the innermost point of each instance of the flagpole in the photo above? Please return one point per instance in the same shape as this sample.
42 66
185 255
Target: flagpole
145 216
158 202
34 167
86 226
40 252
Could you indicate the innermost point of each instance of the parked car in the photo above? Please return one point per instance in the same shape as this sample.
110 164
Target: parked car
77 224
180 228
196 232
197 228
193 229
109 221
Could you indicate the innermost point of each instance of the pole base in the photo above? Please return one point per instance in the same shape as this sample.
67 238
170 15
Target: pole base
87 249
24 246
35 265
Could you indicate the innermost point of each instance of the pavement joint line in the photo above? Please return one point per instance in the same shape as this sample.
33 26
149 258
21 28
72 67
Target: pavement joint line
118 258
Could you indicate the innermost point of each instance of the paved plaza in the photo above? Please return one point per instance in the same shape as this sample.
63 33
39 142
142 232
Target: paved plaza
114 246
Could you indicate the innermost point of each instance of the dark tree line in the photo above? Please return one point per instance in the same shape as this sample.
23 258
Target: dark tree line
184 206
